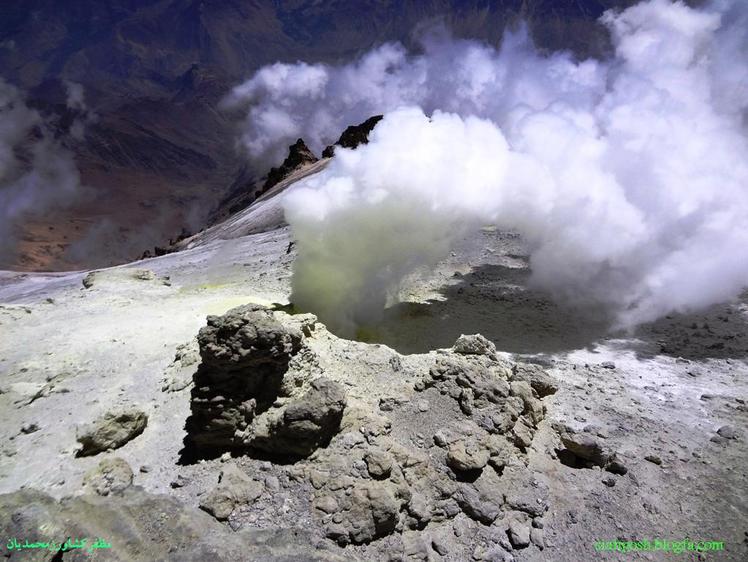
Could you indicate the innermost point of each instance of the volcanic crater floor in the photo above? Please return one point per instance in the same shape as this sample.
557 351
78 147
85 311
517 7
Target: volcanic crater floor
441 453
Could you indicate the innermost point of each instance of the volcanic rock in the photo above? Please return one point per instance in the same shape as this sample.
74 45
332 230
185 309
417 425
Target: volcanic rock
111 476
540 381
728 432
537 536
111 431
389 403
519 534
245 354
587 447
592 452
272 483
467 456
30 428
480 386
305 424
654 459
525 492
89 280
378 463
179 482
121 275
482 499
372 481
420 509
298 155
416 547
474 345
246 336
234 488
369 511
353 136
143 275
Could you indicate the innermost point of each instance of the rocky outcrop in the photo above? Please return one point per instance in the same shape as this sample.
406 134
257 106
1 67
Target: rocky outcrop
111 431
353 136
298 155
452 446
119 275
484 393
245 354
467 455
239 400
369 511
383 476
474 345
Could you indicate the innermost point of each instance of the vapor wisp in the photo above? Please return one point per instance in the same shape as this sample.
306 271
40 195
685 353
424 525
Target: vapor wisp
37 172
628 177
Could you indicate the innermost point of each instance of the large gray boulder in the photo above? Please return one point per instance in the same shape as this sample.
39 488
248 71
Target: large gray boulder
245 354
111 431
474 344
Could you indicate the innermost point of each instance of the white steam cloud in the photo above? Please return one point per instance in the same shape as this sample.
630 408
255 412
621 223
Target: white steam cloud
628 177
76 102
36 172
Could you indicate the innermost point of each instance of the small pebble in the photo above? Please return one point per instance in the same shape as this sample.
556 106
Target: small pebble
728 432
653 459
30 428
272 484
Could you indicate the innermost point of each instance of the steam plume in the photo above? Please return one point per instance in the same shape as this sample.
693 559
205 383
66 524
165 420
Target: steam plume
76 102
628 177
36 171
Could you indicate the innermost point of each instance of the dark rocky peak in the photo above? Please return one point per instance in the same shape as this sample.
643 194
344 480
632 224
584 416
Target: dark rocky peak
298 155
353 136
245 189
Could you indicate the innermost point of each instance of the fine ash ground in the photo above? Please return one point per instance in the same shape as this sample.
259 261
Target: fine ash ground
656 399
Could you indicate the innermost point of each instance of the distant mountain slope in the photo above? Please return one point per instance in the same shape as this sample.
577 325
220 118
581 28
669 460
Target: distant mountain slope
162 153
